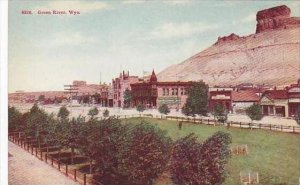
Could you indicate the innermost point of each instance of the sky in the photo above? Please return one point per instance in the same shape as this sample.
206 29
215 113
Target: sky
46 52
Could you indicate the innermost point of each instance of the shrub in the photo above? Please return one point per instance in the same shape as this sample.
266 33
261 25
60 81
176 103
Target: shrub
63 112
200 164
220 113
164 109
106 113
93 112
254 112
140 107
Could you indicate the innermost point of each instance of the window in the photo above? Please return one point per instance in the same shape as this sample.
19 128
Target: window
164 92
168 93
173 91
182 91
176 91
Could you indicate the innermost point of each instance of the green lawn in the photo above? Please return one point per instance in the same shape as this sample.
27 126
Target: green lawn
274 155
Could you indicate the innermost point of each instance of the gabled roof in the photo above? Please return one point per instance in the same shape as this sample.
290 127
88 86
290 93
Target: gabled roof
276 94
244 96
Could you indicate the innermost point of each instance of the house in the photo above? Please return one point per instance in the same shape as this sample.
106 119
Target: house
243 99
275 103
293 99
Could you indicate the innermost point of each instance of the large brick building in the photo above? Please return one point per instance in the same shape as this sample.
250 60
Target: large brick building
152 93
119 85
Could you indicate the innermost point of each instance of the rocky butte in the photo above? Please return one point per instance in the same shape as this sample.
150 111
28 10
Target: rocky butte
270 56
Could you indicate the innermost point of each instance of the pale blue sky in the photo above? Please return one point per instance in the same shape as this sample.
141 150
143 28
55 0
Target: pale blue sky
48 51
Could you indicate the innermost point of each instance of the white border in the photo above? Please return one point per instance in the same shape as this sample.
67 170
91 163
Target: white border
3 92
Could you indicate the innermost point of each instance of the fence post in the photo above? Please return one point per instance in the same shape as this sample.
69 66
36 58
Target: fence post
249 125
51 161
66 169
41 154
75 174
84 179
208 121
36 151
293 129
270 127
194 120
240 124
259 125
31 149
59 165
281 127
46 157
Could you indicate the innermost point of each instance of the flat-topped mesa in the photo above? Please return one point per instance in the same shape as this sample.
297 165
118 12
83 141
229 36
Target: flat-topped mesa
230 37
275 18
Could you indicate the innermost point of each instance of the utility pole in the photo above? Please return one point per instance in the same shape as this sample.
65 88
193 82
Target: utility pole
72 90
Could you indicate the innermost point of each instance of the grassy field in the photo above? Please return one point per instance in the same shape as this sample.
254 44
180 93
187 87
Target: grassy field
274 155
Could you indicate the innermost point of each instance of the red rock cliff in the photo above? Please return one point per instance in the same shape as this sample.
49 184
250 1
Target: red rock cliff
275 18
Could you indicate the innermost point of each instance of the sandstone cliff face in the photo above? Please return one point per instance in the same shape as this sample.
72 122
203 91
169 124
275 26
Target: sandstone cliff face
271 56
275 18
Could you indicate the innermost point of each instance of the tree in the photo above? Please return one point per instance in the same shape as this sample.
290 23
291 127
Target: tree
41 98
70 138
220 113
186 110
63 113
14 119
93 112
197 100
254 112
164 109
127 98
200 164
106 113
106 141
144 156
140 107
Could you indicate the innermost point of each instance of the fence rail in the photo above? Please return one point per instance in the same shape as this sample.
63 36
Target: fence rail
207 121
66 169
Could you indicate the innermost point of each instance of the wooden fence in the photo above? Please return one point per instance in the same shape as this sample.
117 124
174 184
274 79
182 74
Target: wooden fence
206 121
66 169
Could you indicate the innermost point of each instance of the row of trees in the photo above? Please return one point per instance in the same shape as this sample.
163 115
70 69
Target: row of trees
126 154
197 104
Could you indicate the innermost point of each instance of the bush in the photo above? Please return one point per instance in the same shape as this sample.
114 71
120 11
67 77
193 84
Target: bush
63 112
200 164
254 112
164 109
220 113
93 112
140 107
106 113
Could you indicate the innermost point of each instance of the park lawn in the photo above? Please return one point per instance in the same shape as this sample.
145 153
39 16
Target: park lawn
274 155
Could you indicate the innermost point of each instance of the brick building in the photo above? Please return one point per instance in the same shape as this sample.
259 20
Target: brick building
152 93
119 85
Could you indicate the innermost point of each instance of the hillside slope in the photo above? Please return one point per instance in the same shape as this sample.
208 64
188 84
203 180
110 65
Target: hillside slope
271 56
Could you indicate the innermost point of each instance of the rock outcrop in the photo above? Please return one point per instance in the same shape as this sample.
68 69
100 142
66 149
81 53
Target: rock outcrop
271 56
275 18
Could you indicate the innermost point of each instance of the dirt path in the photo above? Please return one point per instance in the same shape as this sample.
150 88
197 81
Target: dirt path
24 168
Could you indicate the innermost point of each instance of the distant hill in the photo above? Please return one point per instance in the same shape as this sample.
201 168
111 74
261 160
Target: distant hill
270 56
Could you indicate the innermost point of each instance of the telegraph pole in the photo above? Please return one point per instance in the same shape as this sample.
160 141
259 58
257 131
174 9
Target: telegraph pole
72 90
